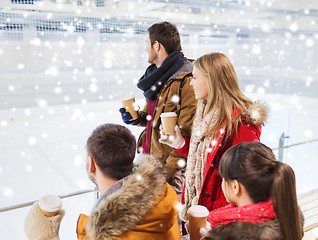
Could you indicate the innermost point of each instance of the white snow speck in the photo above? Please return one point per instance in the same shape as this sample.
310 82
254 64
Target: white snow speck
181 163
8 192
36 42
57 90
89 71
11 88
138 177
271 137
309 42
27 112
175 99
4 123
308 134
32 140
93 87
80 41
293 27
249 88
20 66
78 160
108 63
29 168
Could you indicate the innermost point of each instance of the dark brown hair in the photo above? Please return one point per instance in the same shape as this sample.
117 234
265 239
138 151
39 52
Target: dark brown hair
167 34
113 148
254 165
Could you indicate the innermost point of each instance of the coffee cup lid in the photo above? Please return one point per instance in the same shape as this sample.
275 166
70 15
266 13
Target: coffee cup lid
127 98
198 211
168 114
50 203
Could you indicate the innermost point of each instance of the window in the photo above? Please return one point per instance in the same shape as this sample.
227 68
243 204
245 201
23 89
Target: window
22 1
100 3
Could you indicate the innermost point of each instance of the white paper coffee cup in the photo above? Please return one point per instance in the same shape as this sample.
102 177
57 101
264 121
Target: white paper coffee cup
50 205
198 216
130 106
169 121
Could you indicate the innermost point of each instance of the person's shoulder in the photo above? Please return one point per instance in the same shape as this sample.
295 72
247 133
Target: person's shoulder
246 230
184 71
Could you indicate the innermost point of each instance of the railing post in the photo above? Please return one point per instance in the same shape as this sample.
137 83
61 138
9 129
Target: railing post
281 147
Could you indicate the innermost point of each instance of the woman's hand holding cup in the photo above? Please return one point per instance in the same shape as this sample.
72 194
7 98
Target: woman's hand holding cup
174 140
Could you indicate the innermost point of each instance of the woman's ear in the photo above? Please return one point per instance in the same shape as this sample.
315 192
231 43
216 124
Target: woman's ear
236 187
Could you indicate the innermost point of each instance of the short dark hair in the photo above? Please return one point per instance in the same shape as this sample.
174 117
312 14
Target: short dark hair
113 148
167 34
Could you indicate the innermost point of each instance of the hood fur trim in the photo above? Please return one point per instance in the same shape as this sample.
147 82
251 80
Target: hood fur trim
257 113
120 212
244 230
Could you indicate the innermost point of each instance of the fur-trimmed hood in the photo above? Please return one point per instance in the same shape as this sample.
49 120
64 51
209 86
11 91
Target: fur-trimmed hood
132 205
257 113
244 230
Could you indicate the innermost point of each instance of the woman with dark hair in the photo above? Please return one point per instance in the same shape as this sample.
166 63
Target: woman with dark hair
262 196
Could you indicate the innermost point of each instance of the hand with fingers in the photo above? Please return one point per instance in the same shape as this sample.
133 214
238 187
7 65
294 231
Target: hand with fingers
40 227
204 231
126 116
175 140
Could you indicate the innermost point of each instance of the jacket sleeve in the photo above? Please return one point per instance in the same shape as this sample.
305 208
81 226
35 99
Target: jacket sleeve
247 132
186 114
81 227
184 151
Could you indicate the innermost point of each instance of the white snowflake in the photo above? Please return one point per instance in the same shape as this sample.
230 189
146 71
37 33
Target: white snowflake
32 140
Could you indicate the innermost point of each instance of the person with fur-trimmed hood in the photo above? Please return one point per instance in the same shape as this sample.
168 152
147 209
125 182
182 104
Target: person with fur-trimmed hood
134 203
224 117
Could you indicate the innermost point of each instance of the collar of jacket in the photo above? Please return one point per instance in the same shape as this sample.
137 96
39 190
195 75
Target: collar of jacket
115 214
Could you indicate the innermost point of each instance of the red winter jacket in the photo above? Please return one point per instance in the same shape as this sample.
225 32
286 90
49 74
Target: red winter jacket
211 195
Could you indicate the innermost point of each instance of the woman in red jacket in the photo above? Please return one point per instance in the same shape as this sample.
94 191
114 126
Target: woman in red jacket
224 117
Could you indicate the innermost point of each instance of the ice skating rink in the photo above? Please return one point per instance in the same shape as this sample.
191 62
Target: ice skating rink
65 65
43 152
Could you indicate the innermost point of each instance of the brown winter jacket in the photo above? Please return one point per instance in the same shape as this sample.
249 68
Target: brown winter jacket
168 102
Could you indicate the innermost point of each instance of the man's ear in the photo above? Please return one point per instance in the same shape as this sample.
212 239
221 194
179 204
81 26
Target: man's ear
157 46
91 164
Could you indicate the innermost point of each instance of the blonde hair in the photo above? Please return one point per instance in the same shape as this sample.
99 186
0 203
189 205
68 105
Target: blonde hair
224 94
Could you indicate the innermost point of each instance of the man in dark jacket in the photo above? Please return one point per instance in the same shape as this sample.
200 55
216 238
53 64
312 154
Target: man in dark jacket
166 87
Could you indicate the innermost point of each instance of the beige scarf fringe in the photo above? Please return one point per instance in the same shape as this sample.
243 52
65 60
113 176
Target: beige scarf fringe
199 147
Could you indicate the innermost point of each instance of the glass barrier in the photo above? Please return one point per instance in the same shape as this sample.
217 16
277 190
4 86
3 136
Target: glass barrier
65 66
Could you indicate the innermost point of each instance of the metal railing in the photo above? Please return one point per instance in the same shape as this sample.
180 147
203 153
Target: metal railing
281 146
280 157
22 205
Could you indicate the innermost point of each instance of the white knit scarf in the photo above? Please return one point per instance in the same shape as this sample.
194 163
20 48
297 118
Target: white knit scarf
199 147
